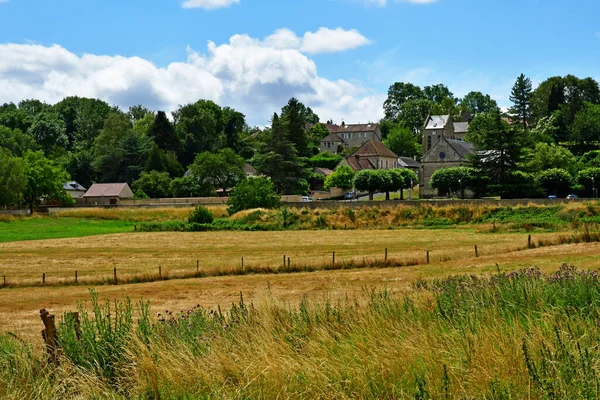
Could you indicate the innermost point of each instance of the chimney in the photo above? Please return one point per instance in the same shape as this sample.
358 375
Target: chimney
343 123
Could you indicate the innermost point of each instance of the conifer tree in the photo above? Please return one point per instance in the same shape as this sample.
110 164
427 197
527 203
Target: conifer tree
521 97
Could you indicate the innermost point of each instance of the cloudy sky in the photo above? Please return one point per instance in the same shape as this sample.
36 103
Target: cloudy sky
338 56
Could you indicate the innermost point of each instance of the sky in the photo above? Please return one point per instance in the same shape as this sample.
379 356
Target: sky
337 56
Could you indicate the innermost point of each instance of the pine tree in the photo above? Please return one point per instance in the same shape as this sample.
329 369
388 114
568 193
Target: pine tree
163 133
279 160
293 119
521 97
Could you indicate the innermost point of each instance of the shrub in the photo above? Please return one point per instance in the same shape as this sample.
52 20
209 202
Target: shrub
253 193
155 184
140 195
555 181
342 178
200 215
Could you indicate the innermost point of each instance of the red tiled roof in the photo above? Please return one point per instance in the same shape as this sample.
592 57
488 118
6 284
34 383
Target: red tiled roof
374 148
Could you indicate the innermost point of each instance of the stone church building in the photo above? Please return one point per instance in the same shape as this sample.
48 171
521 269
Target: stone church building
443 147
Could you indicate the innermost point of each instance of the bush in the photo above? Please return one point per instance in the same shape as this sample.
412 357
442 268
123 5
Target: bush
200 215
253 193
342 177
140 195
555 181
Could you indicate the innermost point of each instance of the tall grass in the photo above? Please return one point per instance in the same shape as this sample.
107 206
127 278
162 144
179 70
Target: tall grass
508 336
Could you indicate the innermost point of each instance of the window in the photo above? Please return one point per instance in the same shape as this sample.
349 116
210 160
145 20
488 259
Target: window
428 142
386 164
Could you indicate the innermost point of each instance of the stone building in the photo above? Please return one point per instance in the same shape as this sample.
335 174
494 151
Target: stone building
349 136
371 155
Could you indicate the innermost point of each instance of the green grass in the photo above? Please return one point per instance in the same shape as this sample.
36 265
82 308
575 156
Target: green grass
57 228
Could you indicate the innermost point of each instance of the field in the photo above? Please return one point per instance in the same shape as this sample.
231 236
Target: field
369 328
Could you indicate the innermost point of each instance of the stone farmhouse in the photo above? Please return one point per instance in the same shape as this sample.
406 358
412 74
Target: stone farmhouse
373 154
444 146
349 136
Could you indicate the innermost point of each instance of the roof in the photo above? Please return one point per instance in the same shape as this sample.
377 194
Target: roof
74 186
106 190
250 170
461 127
374 148
408 162
332 138
333 128
358 164
462 148
437 121
323 171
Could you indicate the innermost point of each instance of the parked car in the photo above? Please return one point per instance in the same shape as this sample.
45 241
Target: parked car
552 197
306 199
572 197
350 195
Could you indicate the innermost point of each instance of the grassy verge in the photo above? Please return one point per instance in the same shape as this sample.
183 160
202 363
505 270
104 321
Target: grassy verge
19 229
515 335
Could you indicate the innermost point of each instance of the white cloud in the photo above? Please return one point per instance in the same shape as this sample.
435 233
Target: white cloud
208 4
256 77
324 40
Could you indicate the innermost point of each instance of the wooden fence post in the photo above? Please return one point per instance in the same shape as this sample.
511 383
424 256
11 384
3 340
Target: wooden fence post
333 260
529 242
476 252
115 276
197 266
289 262
49 336
427 256
284 261
242 263
386 254
160 271
75 277
4 280
43 278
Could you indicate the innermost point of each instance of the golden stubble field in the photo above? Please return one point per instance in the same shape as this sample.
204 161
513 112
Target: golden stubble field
451 253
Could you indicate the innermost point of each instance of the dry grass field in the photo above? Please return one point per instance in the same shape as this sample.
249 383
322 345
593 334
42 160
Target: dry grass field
451 253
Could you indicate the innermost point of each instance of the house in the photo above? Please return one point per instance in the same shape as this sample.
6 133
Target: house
250 171
107 194
410 163
74 189
371 155
349 136
442 125
444 153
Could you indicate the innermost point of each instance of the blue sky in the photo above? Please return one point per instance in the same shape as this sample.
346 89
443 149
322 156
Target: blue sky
159 54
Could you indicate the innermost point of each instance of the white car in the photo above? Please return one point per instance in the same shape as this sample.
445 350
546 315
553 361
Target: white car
306 199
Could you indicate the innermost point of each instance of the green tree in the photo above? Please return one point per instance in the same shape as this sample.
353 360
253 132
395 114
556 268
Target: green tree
555 181
161 161
34 107
84 119
413 114
163 133
79 165
585 130
405 178
325 160
438 94
138 112
12 178
371 181
14 118
589 179
520 96
294 125
453 179
234 125
48 130
200 126
343 177
547 156
398 94
253 193
143 125
43 180
16 141
318 132
279 160
140 195
478 103
546 131
221 170
403 142
500 150
155 184
189 186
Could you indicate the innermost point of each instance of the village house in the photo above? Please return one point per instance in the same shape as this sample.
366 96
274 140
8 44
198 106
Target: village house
74 189
349 136
371 155
444 146
107 194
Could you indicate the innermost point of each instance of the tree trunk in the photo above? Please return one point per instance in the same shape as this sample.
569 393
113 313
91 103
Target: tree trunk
371 195
401 194
387 196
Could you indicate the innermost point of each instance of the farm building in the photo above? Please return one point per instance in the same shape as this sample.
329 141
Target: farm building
74 189
107 194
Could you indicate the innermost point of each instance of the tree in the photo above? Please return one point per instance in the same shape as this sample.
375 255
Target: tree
585 129
221 170
546 131
163 133
12 179
43 180
253 193
155 184
453 179
318 132
80 166
84 118
48 130
200 126
403 142
398 94
438 94
342 177
325 160
189 186
234 125
589 179
389 181
371 181
161 161
138 112
15 118
405 178
555 181
547 156
521 98
143 125
279 160
413 114
500 150
478 103
16 141
294 125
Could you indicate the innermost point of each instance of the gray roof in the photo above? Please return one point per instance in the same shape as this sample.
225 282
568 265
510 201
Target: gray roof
74 186
462 148
332 138
106 189
461 127
408 162
437 121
